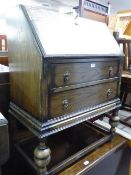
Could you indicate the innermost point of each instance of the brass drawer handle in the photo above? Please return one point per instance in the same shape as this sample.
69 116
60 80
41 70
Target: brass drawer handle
110 71
65 104
109 92
66 77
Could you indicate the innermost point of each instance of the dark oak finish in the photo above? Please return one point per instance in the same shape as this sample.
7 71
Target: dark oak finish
4 89
4 58
94 157
4 98
74 73
125 88
34 72
25 67
70 101
57 81
4 140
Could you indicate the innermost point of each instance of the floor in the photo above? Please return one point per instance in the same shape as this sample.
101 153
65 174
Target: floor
124 127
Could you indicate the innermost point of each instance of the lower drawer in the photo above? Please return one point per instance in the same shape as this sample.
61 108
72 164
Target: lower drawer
78 99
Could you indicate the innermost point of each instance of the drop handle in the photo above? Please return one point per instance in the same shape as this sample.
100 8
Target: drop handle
109 92
66 77
110 71
65 104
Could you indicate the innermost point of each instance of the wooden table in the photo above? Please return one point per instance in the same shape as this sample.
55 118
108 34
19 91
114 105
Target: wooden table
129 144
110 159
127 74
4 58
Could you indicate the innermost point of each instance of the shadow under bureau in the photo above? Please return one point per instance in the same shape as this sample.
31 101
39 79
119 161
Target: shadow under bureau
63 71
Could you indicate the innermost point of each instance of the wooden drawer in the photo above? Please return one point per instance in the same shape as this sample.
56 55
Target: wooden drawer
75 73
75 100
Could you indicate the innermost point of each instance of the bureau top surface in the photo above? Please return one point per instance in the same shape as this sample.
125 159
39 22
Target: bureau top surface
63 35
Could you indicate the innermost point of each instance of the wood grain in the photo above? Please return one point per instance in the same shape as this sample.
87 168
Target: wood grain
95 16
38 91
79 99
4 60
25 66
82 72
108 148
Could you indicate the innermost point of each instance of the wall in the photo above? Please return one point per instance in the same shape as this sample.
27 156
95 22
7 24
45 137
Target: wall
117 5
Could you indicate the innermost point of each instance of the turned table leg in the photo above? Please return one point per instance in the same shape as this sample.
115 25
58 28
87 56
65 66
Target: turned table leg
114 121
42 157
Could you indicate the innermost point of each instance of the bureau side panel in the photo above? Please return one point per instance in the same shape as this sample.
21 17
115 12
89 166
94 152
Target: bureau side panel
25 64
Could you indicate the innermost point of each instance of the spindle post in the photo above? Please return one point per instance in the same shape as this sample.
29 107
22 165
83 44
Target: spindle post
42 157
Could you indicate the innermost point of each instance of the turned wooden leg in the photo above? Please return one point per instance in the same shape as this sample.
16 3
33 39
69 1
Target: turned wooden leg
42 157
114 121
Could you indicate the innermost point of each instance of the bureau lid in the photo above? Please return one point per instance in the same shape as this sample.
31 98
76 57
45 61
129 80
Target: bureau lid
59 34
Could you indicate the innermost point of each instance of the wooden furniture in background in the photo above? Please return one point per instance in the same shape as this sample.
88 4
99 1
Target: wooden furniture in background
112 22
115 153
94 10
123 23
126 77
4 89
125 92
3 50
4 58
125 87
126 46
129 144
3 42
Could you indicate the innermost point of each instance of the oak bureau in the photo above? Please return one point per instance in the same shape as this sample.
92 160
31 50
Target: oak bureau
63 71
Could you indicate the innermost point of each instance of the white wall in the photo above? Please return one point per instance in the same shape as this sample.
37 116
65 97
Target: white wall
120 5
117 5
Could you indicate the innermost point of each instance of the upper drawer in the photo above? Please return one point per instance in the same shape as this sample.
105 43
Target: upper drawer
75 73
78 99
